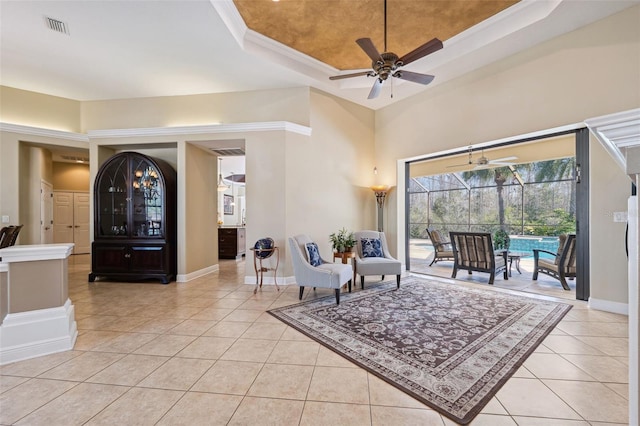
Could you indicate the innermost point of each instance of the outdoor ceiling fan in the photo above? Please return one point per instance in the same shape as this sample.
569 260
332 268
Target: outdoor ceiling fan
388 64
483 162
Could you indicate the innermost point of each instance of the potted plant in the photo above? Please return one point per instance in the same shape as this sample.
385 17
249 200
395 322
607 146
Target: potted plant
342 240
501 240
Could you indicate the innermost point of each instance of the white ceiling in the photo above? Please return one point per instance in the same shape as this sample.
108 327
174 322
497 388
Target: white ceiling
128 49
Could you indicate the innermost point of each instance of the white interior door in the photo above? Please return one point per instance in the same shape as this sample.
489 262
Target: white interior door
46 213
62 217
81 220
71 220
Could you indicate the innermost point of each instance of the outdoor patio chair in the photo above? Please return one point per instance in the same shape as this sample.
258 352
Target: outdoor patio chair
442 249
324 274
563 264
373 258
474 251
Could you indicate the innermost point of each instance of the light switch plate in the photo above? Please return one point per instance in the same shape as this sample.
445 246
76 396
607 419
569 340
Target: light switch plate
619 216
5 219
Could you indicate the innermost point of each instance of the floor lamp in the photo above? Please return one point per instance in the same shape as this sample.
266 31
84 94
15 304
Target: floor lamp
381 194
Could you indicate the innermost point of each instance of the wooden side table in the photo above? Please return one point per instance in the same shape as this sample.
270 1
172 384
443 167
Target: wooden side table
345 256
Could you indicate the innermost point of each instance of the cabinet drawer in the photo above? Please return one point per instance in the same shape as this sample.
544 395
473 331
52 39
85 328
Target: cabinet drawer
148 258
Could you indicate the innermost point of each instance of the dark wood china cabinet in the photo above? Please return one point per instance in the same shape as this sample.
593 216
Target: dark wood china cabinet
134 219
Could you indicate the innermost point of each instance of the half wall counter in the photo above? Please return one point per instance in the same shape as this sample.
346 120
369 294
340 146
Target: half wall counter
37 315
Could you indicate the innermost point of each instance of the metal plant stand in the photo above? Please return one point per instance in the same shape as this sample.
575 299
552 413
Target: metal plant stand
262 252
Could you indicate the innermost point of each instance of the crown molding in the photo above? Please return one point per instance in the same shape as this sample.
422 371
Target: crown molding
231 18
39 131
267 126
276 52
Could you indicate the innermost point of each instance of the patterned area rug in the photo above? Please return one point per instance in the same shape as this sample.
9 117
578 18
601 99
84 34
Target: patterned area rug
449 346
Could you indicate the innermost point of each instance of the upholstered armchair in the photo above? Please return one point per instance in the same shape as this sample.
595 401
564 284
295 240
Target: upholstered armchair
442 249
473 251
373 258
311 270
563 263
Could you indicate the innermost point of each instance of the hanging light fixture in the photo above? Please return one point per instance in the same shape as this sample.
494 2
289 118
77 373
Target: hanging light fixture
221 185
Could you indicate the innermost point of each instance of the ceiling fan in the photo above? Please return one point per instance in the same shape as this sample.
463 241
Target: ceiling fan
483 162
388 64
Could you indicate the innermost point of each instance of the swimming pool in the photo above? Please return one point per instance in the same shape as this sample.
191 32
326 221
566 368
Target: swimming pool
527 244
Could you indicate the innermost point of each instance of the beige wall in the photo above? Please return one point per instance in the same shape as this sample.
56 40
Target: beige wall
332 182
221 108
200 197
15 174
610 189
71 177
266 173
38 110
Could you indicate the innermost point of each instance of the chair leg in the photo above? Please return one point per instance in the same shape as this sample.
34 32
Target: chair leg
455 272
301 291
349 286
491 277
362 281
535 275
337 296
383 278
505 274
398 280
433 261
563 281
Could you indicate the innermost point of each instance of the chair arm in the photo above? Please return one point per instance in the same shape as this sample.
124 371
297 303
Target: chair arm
536 253
442 244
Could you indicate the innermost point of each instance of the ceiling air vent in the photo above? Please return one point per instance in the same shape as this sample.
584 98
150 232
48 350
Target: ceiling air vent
228 152
56 25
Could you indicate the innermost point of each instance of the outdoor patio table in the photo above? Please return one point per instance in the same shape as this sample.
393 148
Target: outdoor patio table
514 257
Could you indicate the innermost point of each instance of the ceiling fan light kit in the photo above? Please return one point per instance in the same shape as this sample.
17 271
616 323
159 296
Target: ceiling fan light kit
388 64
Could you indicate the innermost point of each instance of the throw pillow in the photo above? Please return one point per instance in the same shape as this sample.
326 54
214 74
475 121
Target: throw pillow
313 254
371 247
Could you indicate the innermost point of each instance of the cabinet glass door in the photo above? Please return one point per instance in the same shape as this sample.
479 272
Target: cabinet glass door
113 200
147 188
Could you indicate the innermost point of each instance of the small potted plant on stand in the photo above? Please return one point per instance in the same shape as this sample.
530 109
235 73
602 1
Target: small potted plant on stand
342 241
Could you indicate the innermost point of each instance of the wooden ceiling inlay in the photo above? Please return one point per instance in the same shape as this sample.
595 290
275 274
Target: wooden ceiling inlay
327 29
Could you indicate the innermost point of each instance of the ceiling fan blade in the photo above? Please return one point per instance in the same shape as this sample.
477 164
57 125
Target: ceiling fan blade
502 160
414 76
369 48
459 165
375 90
424 50
355 74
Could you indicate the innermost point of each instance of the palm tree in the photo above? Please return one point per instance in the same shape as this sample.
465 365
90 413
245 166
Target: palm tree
499 176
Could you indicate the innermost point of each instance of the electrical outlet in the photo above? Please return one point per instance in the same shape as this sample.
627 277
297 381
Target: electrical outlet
5 218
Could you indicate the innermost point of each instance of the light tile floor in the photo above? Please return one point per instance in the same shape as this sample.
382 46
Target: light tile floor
206 353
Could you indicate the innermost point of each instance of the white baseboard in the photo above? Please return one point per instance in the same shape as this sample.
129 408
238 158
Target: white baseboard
609 306
31 334
183 278
249 279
